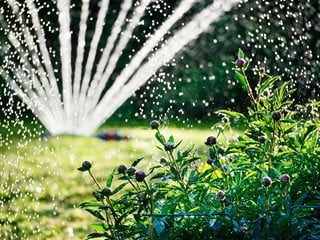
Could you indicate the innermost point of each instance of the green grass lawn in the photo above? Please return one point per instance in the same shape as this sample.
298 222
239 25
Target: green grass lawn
40 185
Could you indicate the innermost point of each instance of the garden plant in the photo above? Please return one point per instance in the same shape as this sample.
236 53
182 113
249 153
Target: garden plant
261 184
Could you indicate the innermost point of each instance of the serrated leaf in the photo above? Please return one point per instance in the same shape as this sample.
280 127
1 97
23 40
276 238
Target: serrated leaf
240 53
242 81
110 179
136 162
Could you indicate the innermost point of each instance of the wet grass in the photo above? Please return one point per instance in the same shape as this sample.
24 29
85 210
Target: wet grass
40 185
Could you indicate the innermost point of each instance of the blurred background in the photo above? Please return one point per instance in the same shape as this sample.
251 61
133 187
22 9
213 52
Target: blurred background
281 36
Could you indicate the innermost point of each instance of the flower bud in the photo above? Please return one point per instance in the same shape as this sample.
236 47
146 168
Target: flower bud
163 161
285 178
154 124
210 161
122 168
140 175
276 115
131 171
262 139
86 165
106 192
266 181
169 146
211 140
220 194
240 62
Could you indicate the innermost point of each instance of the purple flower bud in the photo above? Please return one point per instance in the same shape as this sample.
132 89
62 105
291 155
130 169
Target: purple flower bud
276 115
211 140
261 139
122 168
86 165
266 181
140 175
210 161
154 124
285 178
220 194
240 62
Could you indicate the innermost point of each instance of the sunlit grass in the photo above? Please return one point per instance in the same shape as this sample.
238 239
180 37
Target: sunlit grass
41 186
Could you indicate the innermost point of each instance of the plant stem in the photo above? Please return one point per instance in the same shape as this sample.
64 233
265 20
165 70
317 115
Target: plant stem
151 209
95 180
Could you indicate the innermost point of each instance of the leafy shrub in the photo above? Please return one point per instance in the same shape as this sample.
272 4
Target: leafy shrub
260 185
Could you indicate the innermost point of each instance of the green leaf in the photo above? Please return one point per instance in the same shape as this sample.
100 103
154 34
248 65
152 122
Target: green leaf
159 226
232 114
171 139
242 81
96 235
110 179
160 138
158 175
100 227
267 83
178 144
90 204
240 53
95 213
136 162
212 154
119 188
